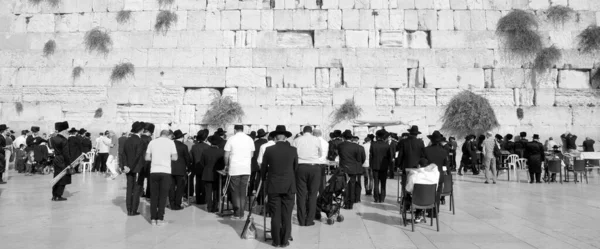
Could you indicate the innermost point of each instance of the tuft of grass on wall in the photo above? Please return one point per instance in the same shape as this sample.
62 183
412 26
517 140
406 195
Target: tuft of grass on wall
19 107
123 16
54 3
223 111
346 112
520 113
49 48
122 71
35 2
468 113
164 20
559 14
589 39
518 30
162 3
98 113
76 72
546 59
98 40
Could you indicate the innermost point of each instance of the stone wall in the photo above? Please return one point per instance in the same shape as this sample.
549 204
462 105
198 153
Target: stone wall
292 62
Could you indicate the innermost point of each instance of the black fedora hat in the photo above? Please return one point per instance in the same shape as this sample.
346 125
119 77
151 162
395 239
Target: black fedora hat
523 134
337 133
414 130
35 129
381 133
82 131
220 132
253 134
3 127
201 135
58 126
281 130
261 133
536 136
498 137
73 130
149 127
178 134
214 140
347 134
509 136
435 137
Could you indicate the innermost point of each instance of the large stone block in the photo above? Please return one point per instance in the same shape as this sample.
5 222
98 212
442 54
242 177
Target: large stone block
330 38
491 19
11 94
391 38
340 95
574 79
405 97
577 97
524 96
463 39
80 95
299 77
269 58
288 96
417 40
365 97
232 93
548 79
545 97
168 96
445 19
471 78
41 23
294 39
241 57
427 19
283 20
322 77
357 39
537 117
193 77
509 78
266 19
306 115
251 19
318 19
335 77
202 96
586 116
441 77
266 96
478 20
464 58
498 97
444 96
396 19
411 19
301 19
317 96
334 19
154 114
31 112
246 77
385 97
462 20
425 97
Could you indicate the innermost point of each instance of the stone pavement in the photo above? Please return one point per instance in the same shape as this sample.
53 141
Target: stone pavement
505 215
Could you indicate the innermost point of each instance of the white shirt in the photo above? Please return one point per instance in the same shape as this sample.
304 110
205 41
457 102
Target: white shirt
161 150
367 147
261 151
324 150
18 141
309 149
102 144
241 147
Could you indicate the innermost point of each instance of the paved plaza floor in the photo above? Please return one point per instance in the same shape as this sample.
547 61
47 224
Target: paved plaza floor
506 215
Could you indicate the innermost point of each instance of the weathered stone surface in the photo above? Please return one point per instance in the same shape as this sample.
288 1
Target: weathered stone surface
193 77
545 97
385 97
293 39
11 94
427 19
322 77
232 93
340 95
299 77
441 78
416 77
425 97
246 77
586 116
306 115
288 96
445 95
365 97
497 97
335 77
334 19
417 39
357 39
265 96
537 117
465 58
41 23
577 97
524 96
463 39
317 96
65 94
391 38
250 19
330 39
445 19
268 58
202 96
574 79
471 78
168 96
405 97
509 78
155 114
462 20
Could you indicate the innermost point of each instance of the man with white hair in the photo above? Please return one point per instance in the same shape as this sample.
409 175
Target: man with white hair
489 160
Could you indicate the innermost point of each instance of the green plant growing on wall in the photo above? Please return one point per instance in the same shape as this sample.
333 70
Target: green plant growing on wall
165 2
54 3
546 59
35 2
123 16
49 48
223 111
76 72
559 14
164 20
520 113
98 40
589 39
518 30
98 113
468 113
122 71
19 107
346 112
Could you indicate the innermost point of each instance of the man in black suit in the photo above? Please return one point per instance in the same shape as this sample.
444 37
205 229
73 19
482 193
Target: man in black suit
133 163
4 132
410 151
352 157
121 142
437 154
146 138
254 177
393 142
179 171
380 157
196 153
211 160
74 145
278 170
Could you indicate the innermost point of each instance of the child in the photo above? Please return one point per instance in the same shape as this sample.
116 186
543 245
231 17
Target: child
20 158
30 164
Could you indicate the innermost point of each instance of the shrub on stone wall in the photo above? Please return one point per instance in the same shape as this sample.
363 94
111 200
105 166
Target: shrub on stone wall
346 112
165 2
49 48
123 16
98 40
35 2
546 59
589 39
76 72
19 107
520 113
223 111
559 14
122 71
518 30
164 20
98 113
468 113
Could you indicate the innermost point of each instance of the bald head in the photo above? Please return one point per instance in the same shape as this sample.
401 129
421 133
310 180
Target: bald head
165 133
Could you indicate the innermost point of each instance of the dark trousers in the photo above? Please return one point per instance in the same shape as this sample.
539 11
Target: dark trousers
58 190
190 185
201 191
103 157
391 169
354 189
368 180
132 195
452 160
176 191
323 181
308 181
160 184
280 207
238 186
379 180
211 196
253 182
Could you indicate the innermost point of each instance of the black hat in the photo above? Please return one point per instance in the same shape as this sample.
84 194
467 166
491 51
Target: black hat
87 134
220 132
261 133
280 130
381 133
405 134
536 136
394 136
3 127
35 129
178 134
509 136
436 137
137 126
555 147
371 137
238 127
423 162
347 134
414 130
498 136
523 134
149 127
59 126
253 134
337 133
82 131
201 135
73 130
214 140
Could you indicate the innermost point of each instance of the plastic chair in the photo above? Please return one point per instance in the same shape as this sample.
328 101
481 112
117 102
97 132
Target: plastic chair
424 197
87 166
522 164
554 168
578 167
507 164
448 190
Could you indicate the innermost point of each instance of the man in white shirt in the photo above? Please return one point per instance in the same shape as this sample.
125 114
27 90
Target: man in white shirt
324 165
239 150
308 176
103 144
21 139
160 153
261 152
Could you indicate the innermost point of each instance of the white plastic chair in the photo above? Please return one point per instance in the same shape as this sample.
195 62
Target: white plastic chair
511 163
522 164
87 166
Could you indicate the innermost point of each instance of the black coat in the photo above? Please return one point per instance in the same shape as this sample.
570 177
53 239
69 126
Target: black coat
588 145
134 154
62 158
74 147
257 144
352 157
380 155
332 152
145 171
509 146
410 151
437 154
212 159
2 154
121 142
280 161
535 156
570 141
86 145
180 167
196 155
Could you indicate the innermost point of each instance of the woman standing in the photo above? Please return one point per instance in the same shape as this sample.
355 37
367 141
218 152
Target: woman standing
61 160
535 154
